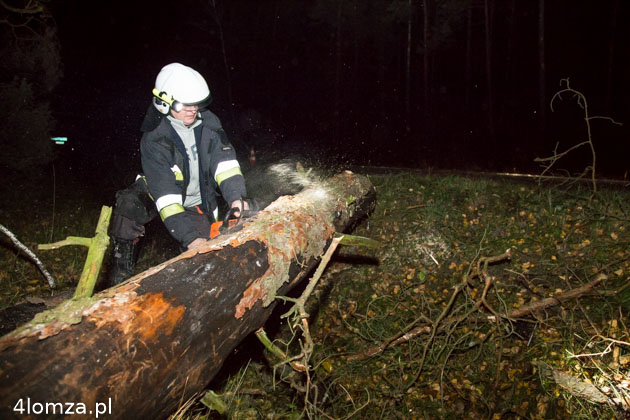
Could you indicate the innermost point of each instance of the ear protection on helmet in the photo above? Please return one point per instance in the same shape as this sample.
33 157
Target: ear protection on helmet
164 102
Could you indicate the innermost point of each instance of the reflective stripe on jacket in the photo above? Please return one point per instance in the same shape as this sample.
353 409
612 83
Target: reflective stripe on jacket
166 168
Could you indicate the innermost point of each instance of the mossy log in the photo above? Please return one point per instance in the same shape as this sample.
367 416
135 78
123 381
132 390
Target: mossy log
144 347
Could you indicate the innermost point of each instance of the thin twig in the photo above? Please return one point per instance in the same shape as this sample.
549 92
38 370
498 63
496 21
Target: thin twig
606 351
30 254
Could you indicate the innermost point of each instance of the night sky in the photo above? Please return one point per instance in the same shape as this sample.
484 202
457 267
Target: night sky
331 80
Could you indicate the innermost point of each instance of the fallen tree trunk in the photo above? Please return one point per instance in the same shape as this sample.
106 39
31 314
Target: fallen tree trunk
142 348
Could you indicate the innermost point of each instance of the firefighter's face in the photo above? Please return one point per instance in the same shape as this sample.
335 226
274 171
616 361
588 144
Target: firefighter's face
187 114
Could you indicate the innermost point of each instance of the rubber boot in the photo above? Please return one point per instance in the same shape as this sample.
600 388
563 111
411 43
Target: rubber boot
123 260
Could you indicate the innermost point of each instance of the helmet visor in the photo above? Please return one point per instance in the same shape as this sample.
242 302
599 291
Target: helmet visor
204 103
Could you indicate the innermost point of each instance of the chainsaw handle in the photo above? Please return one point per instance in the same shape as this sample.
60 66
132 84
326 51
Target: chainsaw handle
231 214
231 220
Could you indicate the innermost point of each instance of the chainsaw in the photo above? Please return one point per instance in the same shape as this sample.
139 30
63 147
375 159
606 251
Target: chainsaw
233 223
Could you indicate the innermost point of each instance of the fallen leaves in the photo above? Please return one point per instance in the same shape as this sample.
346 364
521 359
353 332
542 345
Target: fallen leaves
474 367
540 249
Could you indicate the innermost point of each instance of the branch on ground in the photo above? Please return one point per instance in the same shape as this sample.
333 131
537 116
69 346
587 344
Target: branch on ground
557 299
416 329
582 389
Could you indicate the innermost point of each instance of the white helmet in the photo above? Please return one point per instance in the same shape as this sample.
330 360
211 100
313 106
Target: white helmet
177 85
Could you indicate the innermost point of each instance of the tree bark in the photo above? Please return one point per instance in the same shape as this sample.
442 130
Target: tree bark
149 344
218 19
408 67
541 69
338 73
487 11
426 38
468 66
611 56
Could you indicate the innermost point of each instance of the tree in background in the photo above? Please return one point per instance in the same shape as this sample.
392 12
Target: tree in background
542 97
30 68
412 79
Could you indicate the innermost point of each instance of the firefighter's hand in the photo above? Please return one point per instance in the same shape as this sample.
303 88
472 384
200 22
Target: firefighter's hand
197 242
237 204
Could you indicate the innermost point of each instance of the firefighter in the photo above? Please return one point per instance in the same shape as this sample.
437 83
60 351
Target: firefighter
187 160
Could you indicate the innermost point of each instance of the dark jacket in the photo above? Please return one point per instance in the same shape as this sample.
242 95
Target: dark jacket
166 168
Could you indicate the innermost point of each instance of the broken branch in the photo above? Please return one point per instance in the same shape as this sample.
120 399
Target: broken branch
30 254
557 299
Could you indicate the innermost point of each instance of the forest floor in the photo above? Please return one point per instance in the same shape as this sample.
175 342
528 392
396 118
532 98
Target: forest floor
442 321
487 298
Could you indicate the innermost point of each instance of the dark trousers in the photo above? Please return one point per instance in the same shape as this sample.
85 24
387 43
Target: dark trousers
135 208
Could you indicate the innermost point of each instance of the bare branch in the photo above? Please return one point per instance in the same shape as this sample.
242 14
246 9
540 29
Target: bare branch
31 8
30 254
556 299
583 104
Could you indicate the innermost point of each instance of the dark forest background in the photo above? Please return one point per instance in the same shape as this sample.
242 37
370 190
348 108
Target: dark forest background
449 84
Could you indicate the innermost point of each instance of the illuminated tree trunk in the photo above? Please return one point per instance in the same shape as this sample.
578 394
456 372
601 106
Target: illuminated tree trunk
155 340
